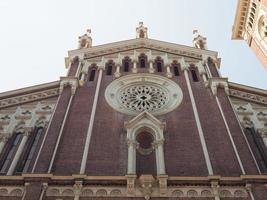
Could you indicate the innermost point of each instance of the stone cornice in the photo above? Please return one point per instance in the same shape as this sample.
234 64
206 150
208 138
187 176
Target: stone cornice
248 93
29 97
127 45
30 89
240 19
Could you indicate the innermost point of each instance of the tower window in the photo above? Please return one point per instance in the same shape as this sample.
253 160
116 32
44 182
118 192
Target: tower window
10 153
92 75
194 75
176 71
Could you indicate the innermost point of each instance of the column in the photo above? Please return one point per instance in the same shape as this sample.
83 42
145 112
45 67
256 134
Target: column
151 68
19 152
160 154
134 66
117 73
169 74
131 157
81 81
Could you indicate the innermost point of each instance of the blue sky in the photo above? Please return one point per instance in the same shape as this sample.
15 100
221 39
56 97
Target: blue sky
36 35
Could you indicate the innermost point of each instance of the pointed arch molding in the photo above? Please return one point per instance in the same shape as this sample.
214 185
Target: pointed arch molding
135 93
150 124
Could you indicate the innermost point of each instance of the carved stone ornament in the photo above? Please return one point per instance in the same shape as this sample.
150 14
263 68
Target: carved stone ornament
85 41
69 81
136 93
248 96
215 83
146 183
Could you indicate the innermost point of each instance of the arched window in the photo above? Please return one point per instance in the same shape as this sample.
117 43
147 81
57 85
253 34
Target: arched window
176 71
92 74
194 75
109 67
142 61
126 64
159 66
24 165
10 152
145 158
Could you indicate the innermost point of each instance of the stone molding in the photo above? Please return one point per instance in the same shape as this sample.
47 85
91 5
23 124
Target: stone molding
16 191
149 187
127 45
27 98
248 96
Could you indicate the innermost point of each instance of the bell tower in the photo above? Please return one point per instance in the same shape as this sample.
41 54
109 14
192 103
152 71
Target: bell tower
251 25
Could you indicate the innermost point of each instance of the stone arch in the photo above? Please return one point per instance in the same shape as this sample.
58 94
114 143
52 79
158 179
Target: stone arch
206 193
87 192
192 193
145 122
225 193
68 192
16 192
3 192
53 192
177 193
101 192
115 192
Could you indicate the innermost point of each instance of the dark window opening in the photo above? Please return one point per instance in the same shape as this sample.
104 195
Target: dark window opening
109 70
92 75
142 63
194 75
145 140
25 164
159 66
11 152
126 66
176 71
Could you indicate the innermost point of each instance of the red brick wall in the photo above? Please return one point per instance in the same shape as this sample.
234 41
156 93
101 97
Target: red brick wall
259 191
239 139
50 142
183 151
70 151
223 159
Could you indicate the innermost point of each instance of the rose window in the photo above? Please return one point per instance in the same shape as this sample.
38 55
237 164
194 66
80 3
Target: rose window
135 93
143 97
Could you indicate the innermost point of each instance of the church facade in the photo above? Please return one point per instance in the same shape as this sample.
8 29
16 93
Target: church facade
135 119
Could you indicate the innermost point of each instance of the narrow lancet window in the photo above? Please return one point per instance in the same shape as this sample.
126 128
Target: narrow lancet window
92 75
11 151
194 75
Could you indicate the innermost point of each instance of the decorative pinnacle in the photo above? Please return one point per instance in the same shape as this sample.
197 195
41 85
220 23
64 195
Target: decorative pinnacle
141 31
199 41
85 41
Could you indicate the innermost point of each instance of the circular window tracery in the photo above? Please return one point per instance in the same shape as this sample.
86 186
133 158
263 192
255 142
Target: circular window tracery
143 97
135 93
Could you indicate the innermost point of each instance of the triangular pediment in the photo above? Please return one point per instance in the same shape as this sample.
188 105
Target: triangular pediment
141 43
144 116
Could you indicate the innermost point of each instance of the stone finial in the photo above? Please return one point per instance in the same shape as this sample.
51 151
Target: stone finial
141 31
199 41
85 41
